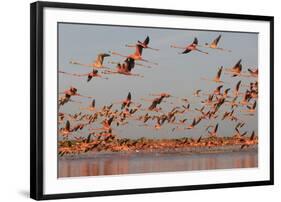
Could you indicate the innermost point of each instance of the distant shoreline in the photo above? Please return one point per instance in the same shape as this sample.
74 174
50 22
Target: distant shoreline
183 150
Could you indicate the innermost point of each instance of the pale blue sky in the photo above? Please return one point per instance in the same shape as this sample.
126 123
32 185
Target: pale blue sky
176 74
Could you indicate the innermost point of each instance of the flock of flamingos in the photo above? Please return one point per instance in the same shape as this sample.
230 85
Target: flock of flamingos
100 123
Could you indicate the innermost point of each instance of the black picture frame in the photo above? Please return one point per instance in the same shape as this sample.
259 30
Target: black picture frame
36 99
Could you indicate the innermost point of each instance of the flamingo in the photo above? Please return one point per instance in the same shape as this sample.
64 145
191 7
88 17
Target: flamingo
124 69
190 47
246 98
138 64
230 116
106 125
197 93
236 69
251 109
236 90
225 93
126 102
217 78
253 72
92 107
214 44
213 133
217 91
194 123
238 134
98 63
249 142
90 75
209 100
144 44
66 130
157 126
72 91
155 102
137 55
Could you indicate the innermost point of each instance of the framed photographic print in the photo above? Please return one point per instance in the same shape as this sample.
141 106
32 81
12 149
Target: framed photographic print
136 100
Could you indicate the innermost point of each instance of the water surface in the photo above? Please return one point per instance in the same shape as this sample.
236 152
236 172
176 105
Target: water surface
117 163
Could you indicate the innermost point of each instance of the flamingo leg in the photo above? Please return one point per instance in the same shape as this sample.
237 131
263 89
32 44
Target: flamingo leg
156 49
109 72
137 75
139 64
175 46
129 45
115 53
75 101
154 63
222 49
81 64
89 97
201 51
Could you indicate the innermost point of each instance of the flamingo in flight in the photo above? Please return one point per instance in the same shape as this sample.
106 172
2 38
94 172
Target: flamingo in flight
194 123
197 93
144 44
66 130
236 90
92 107
124 69
214 44
236 69
254 72
126 102
238 134
217 78
98 63
250 141
72 91
155 102
138 64
89 75
251 109
213 133
106 125
190 47
137 55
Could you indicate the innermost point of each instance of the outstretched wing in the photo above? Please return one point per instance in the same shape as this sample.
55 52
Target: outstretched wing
255 104
186 51
238 85
110 120
199 139
216 41
129 97
67 125
89 77
219 72
93 103
216 128
237 65
146 41
252 136
251 71
195 41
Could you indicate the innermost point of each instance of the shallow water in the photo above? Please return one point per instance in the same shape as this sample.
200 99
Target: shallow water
116 163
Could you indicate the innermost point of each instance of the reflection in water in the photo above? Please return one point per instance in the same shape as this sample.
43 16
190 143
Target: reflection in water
114 164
